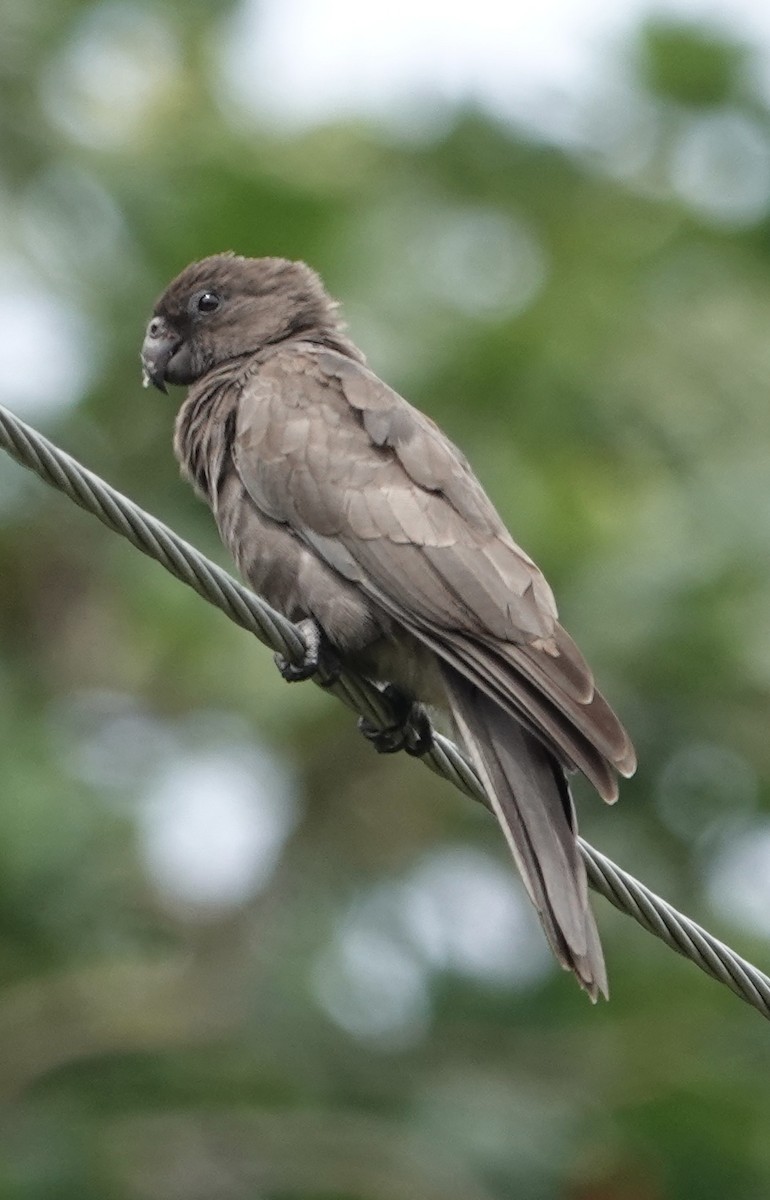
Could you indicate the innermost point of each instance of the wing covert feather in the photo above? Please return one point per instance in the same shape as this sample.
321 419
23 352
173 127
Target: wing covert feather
374 487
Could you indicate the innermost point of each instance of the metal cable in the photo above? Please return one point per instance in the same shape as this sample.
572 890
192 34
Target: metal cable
156 540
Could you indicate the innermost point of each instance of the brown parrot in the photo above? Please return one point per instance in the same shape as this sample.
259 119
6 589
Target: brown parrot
350 512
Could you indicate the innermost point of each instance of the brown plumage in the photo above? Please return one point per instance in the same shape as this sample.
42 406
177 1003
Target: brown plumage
343 504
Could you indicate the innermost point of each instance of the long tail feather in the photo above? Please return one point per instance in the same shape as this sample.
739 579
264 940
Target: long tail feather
531 798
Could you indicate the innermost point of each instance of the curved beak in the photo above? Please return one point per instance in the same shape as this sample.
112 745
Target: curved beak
158 349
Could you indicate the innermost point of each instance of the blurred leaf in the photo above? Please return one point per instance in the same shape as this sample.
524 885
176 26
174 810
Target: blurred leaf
691 65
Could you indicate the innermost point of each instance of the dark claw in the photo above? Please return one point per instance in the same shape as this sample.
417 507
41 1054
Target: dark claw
295 673
412 731
319 658
389 740
419 732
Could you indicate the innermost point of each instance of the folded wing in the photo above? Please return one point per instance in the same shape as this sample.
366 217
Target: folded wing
377 491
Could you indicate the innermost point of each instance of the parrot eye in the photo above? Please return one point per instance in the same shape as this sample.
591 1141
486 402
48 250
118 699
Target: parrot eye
207 302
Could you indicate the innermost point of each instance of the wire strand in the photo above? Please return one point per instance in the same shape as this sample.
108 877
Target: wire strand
245 608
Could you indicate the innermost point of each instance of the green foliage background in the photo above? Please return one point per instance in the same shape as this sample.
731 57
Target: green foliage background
594 332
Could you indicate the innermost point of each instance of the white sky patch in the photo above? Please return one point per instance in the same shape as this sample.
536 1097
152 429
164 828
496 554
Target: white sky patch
721 168
373 986
107 79
303 61
45 349
459 910
212 807
213 825
482 261
739 880
465 912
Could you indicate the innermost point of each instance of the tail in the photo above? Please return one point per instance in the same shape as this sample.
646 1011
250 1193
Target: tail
532 802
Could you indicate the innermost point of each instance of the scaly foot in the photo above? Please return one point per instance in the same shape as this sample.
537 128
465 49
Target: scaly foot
411 731
319 657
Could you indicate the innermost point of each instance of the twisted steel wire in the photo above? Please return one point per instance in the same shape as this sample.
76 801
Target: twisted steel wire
245 608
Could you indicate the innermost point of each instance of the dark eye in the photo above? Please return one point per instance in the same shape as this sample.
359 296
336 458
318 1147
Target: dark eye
208 302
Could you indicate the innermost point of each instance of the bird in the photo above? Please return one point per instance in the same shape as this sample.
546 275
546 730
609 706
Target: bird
352 514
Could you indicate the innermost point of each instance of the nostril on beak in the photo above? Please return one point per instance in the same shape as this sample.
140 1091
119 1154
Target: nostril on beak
155 327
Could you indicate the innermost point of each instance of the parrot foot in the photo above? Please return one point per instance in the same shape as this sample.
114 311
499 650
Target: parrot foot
319 658
411 732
